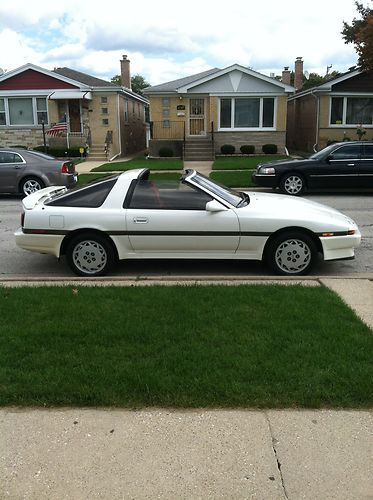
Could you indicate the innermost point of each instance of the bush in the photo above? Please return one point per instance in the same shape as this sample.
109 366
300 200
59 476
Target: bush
17 146
269 149
61 152
165 152
227 149
247 149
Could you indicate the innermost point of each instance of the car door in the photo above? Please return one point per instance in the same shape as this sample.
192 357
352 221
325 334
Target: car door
174 222
11 165
340 168
366 166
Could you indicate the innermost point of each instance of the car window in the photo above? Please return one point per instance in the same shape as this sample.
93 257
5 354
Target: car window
150 195
346 152
38 154
92 196
368 151
8 157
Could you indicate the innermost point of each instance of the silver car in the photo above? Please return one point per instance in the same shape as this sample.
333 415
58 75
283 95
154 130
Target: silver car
23 171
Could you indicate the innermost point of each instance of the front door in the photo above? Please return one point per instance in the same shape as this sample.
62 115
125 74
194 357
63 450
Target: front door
197 118
75 116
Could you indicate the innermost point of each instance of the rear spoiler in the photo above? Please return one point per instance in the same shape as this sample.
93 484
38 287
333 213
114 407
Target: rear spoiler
33 199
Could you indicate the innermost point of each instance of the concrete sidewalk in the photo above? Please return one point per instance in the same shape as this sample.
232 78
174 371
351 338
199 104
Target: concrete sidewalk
158 453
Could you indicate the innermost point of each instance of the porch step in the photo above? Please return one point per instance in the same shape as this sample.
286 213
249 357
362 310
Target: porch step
198 150
97 153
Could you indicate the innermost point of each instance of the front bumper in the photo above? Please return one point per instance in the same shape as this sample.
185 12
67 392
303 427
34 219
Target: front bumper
340 247
264 180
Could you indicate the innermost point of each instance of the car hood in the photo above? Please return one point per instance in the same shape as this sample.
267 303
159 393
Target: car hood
295 209
286 163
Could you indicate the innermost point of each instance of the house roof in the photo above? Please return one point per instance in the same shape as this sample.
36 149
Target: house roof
89 80
327 86
184 85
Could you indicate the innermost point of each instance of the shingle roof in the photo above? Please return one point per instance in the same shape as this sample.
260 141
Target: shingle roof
89 80
175 84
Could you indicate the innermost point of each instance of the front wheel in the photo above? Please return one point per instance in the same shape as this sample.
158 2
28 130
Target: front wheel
90 255
291 254
292 184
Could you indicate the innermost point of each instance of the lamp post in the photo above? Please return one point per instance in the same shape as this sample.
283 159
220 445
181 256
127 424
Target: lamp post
44 139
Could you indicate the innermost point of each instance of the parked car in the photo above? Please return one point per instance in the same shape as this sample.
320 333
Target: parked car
23 171
127 216
340 165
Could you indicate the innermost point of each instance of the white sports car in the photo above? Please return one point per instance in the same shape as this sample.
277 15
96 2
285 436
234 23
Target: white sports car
127 216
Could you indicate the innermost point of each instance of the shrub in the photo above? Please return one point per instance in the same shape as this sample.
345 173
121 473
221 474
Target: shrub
165 152
17 146
227 149
269 149
246 149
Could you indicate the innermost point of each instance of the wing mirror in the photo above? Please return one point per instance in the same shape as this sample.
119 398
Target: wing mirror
215 206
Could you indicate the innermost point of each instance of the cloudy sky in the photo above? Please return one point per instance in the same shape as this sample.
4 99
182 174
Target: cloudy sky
165 39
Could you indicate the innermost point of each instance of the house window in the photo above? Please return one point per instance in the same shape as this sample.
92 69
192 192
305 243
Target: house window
20 112
165 102
103 100
351 111
23 111
105 121
247 112
166 112
166 124
41 110
126 110
104 111
2 112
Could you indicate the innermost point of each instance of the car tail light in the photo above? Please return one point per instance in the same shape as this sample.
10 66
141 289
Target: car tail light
23 219
67 168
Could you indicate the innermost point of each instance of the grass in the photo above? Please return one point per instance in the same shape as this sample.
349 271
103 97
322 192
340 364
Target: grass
152 164
84 179
195 346
234 178
244 162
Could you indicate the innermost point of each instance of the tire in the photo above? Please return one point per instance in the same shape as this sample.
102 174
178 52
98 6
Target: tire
90 255
291 254
31 185
292 184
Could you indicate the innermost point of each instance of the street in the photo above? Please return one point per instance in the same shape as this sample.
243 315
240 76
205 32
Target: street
15 262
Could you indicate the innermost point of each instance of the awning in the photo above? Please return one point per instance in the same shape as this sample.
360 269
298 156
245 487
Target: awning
71 94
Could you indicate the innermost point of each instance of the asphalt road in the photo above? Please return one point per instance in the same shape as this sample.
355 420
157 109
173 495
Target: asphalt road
15 262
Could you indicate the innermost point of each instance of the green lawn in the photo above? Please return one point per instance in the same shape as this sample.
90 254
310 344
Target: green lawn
197 346
244 162
231 178
84 179
152 164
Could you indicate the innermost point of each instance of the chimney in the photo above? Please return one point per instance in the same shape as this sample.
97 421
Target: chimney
298 74
286 75
125 72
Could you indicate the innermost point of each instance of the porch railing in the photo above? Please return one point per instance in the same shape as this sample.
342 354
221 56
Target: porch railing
167 129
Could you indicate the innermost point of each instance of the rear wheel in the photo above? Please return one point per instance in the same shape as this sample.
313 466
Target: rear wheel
292 254
90 255
31 185
292 184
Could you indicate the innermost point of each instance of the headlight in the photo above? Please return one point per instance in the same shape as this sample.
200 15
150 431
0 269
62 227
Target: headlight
267 170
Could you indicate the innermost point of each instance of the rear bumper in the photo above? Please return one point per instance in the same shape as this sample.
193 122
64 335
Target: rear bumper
264 180
41 243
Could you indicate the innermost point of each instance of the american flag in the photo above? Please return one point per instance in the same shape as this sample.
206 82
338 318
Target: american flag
61 126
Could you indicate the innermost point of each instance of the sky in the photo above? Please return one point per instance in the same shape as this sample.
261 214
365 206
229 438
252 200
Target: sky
166 40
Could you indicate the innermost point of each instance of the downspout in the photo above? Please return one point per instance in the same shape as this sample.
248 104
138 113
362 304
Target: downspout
317 120
119 132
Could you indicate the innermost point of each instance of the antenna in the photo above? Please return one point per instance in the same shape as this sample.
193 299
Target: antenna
328 68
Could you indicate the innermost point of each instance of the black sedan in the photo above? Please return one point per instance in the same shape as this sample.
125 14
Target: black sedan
340 165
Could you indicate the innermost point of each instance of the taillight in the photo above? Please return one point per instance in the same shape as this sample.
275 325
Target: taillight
67 168
22 219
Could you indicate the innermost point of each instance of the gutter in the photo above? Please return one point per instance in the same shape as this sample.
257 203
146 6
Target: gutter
317 120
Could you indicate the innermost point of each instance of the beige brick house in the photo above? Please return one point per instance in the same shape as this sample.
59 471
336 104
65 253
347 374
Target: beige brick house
196 115
108 118
332 111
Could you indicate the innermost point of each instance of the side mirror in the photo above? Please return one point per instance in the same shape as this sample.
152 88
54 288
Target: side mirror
215 206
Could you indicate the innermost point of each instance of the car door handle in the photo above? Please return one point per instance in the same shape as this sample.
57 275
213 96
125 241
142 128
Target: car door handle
140 220
350 164
17 167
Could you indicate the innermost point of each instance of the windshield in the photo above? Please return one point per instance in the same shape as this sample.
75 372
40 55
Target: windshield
324 152
232 197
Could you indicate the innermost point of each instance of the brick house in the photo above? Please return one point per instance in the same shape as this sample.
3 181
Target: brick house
98 113
331 112
196 115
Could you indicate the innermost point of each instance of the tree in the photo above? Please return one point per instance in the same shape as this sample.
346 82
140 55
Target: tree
138 83
360 34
